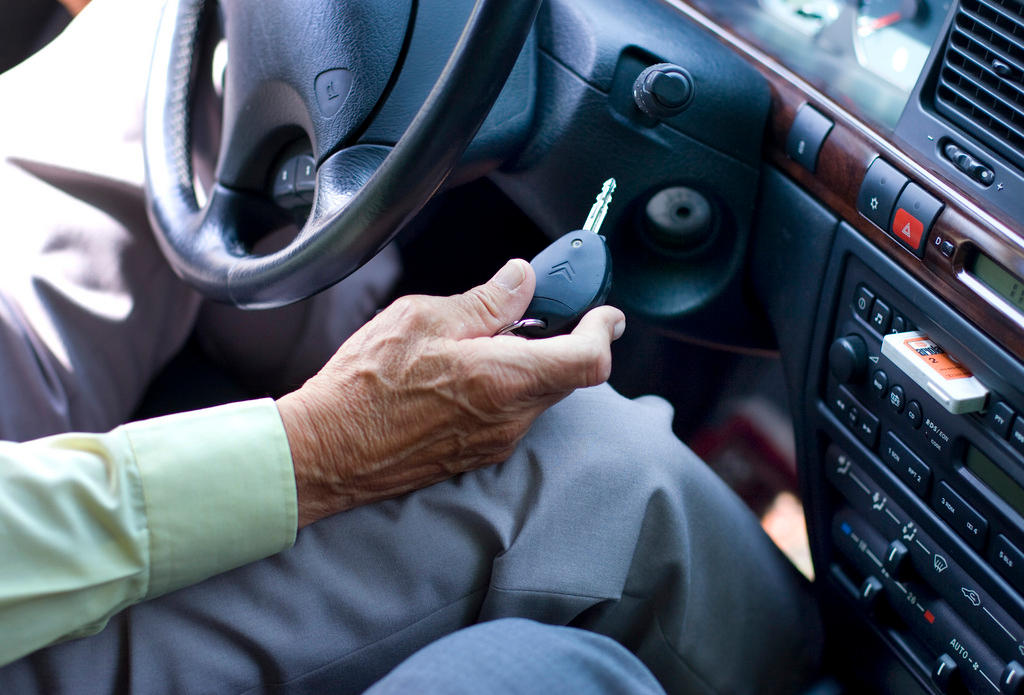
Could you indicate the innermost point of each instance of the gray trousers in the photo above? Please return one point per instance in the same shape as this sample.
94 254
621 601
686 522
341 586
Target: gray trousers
520 657
601 520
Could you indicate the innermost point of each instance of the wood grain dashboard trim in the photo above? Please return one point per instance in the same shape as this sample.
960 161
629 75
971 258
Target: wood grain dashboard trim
844 158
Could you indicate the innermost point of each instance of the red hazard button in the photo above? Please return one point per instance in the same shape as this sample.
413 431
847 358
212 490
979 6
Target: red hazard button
916 212
907 228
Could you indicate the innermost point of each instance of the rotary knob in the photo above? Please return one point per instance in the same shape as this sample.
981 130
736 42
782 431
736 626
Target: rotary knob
848 358
663 90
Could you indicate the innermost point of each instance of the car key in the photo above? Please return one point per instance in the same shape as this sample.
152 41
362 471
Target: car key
574 274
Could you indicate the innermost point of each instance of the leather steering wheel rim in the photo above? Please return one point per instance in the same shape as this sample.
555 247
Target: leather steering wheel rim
364 194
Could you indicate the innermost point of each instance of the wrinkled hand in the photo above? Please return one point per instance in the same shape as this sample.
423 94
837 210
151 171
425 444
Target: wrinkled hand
424 392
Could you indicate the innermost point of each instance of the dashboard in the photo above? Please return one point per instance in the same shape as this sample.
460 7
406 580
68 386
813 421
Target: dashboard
867 54
892 183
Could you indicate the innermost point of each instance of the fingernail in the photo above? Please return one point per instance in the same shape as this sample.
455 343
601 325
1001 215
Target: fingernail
620 328
510 276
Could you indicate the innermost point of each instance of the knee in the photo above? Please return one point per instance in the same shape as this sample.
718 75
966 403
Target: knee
520 656
600 438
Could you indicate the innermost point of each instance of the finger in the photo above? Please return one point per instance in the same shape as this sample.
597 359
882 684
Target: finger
582 358
603 321
486 309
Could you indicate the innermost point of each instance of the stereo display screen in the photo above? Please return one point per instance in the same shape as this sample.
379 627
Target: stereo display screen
999 280
992 475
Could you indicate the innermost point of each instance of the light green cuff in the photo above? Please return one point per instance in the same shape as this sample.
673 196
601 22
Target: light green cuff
219 490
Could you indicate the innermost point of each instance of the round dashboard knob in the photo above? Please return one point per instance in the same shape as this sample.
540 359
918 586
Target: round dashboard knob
663 90
848 358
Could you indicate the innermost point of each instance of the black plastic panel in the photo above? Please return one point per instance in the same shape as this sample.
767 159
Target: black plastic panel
926 131
588 129
957 526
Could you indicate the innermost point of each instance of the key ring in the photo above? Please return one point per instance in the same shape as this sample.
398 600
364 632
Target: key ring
521 323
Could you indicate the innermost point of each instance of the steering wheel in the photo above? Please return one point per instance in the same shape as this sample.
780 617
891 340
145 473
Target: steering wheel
324 67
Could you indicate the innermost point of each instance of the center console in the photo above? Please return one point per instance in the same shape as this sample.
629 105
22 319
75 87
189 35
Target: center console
922 524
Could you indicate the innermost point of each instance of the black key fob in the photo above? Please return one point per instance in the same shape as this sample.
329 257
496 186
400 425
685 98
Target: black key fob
574 274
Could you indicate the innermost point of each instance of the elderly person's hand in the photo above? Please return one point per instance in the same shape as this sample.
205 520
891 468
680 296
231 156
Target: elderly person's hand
74 6
424 392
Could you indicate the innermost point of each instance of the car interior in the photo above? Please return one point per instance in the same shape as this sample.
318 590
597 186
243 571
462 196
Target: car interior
818 217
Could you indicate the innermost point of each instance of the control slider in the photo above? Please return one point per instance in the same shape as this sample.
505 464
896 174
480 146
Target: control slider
925 558
933 620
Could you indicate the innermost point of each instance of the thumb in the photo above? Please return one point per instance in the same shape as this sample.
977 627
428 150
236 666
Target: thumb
487 308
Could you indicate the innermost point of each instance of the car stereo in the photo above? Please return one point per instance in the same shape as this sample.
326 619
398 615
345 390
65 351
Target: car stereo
921 431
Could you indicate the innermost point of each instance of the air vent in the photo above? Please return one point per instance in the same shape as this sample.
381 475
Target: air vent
981 81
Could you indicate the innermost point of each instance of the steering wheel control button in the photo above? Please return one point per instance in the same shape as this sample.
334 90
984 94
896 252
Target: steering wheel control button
897 398
916 212
962 517
881 187
879 383
914 414
305 177
332 87
663 90
806 136
1000 418
284 184
906 464
848 358
862 301
880 316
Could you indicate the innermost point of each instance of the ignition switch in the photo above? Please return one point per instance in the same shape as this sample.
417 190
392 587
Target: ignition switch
679 219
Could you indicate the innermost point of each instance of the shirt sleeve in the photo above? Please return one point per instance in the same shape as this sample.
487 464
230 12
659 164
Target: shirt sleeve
92 523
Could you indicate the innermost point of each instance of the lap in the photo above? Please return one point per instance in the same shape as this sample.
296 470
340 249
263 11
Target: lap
600 519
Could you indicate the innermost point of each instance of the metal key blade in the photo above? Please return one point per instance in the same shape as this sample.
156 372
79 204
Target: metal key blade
597 213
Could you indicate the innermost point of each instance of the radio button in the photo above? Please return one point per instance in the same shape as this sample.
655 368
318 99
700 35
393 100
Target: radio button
1017 435
960 515
1008 560
937 437
914 415
866 429
879 383
999 418
848 358
881 314
862 300
906 464
897 398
